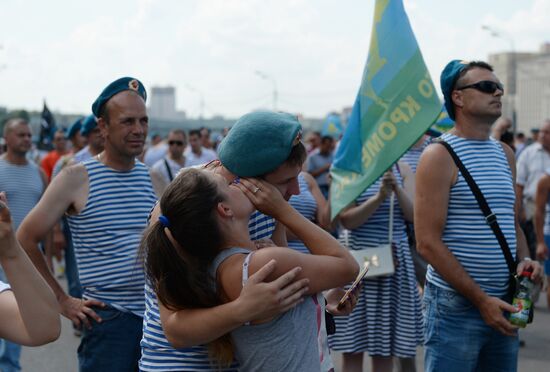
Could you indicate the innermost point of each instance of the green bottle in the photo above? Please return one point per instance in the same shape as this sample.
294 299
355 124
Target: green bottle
522 300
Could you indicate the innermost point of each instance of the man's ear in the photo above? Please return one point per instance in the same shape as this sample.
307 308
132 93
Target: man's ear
456 96
224 210
102 124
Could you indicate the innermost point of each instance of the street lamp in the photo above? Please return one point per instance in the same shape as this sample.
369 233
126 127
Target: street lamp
195 90
512 89
265 76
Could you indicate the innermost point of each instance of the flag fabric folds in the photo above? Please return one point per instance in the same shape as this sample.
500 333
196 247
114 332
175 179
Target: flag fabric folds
396 103
47 129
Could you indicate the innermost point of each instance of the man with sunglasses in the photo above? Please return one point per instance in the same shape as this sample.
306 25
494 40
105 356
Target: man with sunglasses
466 328
168 167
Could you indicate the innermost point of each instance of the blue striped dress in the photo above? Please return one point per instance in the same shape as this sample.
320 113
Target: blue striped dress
466 234
387 320
156 352
107 233
307 206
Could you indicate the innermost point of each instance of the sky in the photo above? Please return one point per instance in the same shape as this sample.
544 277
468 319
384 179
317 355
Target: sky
312 51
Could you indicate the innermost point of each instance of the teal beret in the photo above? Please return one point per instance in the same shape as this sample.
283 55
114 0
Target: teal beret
117 86
74 128
259 142
88 124
449 76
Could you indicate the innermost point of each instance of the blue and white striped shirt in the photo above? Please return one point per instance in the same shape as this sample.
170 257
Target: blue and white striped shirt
107 233
156 352
466 233
23 186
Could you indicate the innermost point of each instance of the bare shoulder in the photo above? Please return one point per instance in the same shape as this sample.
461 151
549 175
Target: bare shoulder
72 176
510 155
309 178
436 166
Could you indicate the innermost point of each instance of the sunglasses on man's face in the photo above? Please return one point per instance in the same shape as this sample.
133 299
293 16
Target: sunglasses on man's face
485 86
178 143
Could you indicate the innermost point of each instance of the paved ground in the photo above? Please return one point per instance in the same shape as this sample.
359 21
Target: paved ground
60 356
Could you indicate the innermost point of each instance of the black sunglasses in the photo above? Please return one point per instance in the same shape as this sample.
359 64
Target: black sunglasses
179 143
485 86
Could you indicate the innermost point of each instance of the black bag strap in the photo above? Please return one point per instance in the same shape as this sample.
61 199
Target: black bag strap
490 217
170 175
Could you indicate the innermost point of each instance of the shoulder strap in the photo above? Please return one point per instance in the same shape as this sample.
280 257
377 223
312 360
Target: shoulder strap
490 217
170 175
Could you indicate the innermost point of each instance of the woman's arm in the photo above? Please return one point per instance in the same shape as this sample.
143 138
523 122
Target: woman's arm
322 217
354 216
405 195
258 299
29 313
329 266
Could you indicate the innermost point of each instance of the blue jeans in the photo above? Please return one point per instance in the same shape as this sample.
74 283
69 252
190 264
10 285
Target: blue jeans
113 344
457 338
9 352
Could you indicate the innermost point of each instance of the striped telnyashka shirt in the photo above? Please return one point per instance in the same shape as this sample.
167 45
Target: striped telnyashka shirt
107 233
466 233
23 186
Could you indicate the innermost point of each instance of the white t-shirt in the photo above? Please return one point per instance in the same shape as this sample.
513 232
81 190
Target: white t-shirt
155 153
160 167
206 156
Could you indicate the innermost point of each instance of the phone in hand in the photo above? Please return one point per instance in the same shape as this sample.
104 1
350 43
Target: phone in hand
354 286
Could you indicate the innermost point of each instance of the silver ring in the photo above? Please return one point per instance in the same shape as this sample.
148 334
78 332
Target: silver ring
256 190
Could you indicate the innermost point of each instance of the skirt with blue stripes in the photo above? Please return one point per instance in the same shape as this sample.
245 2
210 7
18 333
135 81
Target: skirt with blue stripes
387 320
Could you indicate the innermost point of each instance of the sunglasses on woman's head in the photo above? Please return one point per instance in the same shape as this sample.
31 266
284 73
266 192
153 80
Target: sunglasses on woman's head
485 86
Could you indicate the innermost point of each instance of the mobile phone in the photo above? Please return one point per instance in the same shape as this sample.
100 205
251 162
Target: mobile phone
350 290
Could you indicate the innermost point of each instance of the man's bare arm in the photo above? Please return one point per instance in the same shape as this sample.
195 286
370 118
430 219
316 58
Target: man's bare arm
435 175
60 195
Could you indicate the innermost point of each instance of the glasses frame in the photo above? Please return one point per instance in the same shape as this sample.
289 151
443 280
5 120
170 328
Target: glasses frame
482 86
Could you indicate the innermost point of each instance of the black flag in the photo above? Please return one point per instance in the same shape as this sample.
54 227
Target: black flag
47 129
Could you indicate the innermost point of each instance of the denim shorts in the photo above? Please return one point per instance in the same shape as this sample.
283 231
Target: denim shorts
112 344
457 338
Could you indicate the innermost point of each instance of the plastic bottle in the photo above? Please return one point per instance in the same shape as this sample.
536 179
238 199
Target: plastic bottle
522 300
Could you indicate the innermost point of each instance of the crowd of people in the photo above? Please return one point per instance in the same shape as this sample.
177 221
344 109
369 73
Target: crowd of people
189 254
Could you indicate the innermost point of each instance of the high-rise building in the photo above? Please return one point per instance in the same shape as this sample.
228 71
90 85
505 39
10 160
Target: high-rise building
163 104
526 79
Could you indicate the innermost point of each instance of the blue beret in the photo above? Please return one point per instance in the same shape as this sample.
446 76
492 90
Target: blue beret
259 142
74 128
117 86
88 124
449 76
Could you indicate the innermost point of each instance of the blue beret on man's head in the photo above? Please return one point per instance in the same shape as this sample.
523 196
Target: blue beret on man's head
88 124
74 128
117 86
449 76
259 142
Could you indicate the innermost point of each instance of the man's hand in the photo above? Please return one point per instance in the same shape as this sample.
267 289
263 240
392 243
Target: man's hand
542 251
535 267
260 300
78 310
333 297
492 309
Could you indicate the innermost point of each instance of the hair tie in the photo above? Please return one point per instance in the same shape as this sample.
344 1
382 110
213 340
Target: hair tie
164 221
